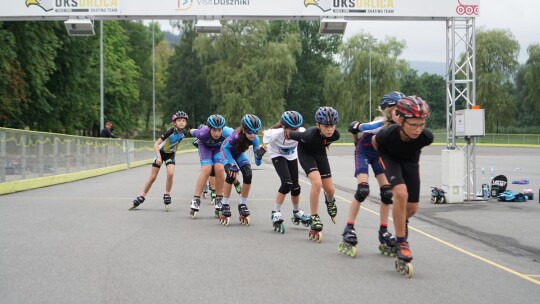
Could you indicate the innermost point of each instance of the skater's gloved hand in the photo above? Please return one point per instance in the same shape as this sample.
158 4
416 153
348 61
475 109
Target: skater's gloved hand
231 170
260 152
353 127
258 161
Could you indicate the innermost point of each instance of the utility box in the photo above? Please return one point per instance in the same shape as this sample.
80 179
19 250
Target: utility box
469 123
453 175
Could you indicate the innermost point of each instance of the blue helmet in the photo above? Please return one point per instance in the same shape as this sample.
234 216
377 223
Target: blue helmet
292 119
327 116
251 123
215 121
390 100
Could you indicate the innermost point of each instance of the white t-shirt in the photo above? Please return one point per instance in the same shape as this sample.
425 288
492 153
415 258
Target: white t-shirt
277 145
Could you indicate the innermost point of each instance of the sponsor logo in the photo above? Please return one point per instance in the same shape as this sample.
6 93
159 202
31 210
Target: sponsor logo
75 6
466 9
184 4
353 6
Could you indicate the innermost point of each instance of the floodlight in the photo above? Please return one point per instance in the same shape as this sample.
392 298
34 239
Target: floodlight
332 26
208 26
79 27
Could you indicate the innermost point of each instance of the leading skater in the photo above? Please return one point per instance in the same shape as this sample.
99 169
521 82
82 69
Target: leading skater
399 147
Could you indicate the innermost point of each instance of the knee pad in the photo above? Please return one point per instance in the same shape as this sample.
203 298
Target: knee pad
285 187
362 192
247 174
386 195
295 190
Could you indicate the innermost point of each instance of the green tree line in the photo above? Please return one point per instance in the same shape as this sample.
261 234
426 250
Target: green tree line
50 81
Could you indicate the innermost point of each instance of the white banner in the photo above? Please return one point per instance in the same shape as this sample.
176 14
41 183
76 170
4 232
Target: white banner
232 9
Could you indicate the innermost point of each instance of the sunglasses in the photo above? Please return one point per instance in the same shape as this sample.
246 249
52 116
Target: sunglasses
251 132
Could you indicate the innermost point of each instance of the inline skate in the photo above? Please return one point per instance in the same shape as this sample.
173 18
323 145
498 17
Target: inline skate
315 233
217 207
387 243
244 214
277 222
213 197
331 208
195 207
225 215
205 190
167 201
237 187
136 202
300 216
348 245
404 257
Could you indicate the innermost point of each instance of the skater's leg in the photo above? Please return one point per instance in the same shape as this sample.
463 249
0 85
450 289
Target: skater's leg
170 177
203 177
219 179
400 209
314 193
153 175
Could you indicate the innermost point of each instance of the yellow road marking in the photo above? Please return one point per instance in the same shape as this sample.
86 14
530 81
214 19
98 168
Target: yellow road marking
516 273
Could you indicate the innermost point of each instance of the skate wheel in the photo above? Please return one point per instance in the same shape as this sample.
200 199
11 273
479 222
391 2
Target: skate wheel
193 214
225 221
293 220
408 271
306 224
282 228
204 195
166 208
333 220
213 201
396 264
319 237
132 208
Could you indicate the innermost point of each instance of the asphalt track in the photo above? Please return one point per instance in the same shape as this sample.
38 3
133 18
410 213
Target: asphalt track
77 243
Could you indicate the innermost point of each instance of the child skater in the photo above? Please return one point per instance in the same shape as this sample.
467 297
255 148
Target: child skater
210 138
233 154
312 144
284 157
165 148
364 156
399 147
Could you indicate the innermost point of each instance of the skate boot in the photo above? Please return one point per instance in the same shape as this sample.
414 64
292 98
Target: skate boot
331 208
238 187
136 202
205 191
195 203
217 207
213 197
348 245
315 233
167 201
301 217
225 215
388 243
277 221
244 214
404 257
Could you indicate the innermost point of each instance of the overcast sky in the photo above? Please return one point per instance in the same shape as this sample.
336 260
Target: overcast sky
426 40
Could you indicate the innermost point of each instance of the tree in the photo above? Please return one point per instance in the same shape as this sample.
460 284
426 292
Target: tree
247 71
28 97
350 93
306 91
121 78
531 79
186 85
496 64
